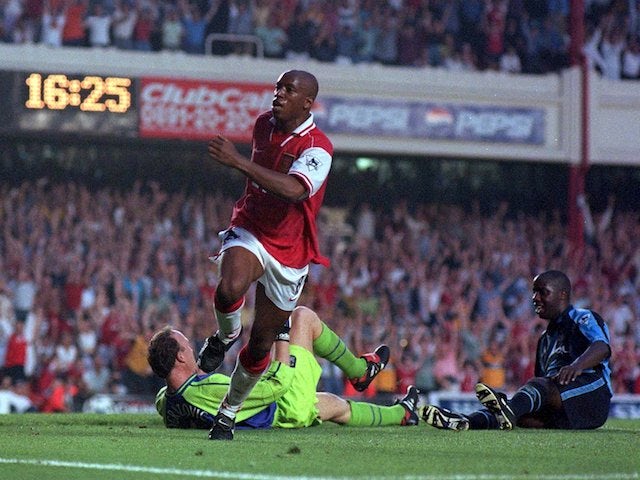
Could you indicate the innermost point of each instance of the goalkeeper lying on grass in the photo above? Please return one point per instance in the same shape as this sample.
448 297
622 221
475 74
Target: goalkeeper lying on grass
286 394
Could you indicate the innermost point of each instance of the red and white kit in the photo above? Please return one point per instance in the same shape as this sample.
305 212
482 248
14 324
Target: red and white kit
287 230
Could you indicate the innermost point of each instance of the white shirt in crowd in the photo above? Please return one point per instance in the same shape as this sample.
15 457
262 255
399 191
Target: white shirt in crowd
99 26
52 27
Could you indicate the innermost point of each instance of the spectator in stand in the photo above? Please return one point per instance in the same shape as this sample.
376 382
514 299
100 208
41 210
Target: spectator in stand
86 336
125 18
7 319
387 41
172 30
137 375
219 23
510 61
470 16
96 376
73 288
10 14
627 355
434 36
493 29
14 398
493 371
22 34
262 11
195 25
631 59
65 356
468 58
367 40
406 370
300 34
74 33
273 36
16 354
410 44
555 52
144 29
604 47
53 20
324 44
59 398
24 293
98 25
346 45
446 369
347 13
241 23
31 19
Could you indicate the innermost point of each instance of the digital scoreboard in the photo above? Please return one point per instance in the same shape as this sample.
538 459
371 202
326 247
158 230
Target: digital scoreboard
57 102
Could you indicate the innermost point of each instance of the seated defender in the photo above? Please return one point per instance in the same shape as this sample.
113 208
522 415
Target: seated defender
286 394
572 386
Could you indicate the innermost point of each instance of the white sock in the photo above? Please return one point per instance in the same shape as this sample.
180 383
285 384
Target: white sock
229 324
242 382
229 410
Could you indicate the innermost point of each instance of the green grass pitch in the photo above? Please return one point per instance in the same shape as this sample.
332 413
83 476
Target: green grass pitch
137 446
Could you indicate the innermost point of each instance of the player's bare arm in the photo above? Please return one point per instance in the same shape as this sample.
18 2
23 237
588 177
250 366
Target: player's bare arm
283 185
592 356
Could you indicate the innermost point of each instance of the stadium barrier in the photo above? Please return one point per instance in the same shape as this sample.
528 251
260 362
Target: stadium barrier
625 406
111 403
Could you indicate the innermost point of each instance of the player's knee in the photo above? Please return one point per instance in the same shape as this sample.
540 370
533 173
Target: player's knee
542 383
302 314
229 292
549 393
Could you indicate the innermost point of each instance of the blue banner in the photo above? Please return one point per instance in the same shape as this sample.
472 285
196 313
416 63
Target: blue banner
471 123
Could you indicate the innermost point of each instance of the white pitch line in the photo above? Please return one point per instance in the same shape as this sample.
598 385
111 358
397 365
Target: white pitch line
253 476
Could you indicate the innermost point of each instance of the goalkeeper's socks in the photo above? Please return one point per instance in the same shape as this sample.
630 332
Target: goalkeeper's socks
330 346
369 415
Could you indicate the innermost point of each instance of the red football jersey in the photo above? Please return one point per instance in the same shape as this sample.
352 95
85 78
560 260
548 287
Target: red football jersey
287 230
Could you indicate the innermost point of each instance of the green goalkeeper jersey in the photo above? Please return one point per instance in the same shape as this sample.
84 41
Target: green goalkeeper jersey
196 402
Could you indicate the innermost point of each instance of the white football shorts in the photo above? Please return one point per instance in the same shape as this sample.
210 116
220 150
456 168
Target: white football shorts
283 285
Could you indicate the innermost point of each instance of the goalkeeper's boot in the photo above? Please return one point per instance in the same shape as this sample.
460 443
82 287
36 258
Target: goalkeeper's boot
410 404
212 352
376 361
496 403
444 419
222 428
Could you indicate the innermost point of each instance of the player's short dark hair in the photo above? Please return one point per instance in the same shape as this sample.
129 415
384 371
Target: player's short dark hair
558 279
308 81
162 352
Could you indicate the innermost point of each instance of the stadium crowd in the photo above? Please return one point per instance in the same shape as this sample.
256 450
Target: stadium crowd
508 35
87 276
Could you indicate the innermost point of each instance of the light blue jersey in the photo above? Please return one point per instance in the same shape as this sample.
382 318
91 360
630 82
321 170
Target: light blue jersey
567 337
